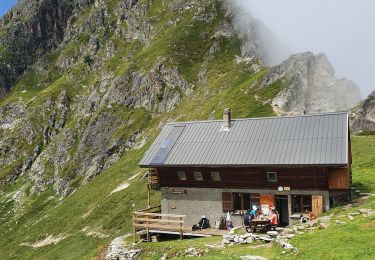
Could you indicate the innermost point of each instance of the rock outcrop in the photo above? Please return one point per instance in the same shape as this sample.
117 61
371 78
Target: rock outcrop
311 86
363 116
30 29
118 250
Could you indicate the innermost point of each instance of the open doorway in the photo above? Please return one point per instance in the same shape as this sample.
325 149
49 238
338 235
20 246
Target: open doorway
301 204
281 205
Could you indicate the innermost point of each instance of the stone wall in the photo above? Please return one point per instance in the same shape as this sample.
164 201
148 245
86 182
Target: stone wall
208 201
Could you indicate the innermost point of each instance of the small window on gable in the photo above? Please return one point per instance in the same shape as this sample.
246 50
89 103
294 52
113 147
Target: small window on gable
198 176
215 176
272 176
181 175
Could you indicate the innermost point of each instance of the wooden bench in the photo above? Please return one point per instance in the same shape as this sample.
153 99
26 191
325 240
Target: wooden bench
260 225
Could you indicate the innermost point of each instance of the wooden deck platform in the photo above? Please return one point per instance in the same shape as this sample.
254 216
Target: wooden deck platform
149 221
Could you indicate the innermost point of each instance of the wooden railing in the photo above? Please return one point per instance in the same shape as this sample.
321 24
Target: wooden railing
146 221
154 209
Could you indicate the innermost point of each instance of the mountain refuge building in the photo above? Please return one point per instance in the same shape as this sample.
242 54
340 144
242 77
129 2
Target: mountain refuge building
292 163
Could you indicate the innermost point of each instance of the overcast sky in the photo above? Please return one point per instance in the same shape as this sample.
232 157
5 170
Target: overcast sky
343 29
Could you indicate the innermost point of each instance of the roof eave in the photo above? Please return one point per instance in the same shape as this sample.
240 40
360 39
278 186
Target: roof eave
241 166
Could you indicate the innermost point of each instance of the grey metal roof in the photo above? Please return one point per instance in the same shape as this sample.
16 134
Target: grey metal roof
315 139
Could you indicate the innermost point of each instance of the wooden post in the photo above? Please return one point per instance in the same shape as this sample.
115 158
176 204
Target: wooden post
148 197
289 207
148 190
134 228
148 231
181 230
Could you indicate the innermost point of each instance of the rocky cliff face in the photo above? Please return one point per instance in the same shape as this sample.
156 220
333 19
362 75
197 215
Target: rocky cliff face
78 109
363 116
28 31
311 86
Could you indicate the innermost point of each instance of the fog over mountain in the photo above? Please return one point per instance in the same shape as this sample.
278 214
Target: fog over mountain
342 29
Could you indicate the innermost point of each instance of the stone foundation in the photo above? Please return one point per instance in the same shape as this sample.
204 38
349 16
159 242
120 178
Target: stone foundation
195 202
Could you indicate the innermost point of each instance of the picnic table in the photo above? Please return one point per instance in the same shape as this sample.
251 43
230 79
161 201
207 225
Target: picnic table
257 225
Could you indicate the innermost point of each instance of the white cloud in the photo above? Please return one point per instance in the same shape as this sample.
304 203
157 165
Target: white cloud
343 29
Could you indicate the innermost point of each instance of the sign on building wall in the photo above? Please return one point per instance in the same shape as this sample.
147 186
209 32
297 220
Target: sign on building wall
266 203
179 191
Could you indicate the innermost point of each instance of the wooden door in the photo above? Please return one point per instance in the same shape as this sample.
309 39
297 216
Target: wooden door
227 199
317 205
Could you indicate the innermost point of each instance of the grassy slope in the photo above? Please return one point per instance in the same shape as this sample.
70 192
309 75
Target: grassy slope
228 85
107 214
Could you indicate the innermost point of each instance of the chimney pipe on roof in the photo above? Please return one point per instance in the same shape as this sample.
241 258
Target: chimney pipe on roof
227 117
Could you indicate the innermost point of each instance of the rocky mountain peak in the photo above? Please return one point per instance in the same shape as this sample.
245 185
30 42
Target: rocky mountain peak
313 86
363 116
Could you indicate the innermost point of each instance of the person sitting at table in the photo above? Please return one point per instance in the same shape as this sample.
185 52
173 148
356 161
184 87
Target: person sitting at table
273 218
246 218
253 213
258 213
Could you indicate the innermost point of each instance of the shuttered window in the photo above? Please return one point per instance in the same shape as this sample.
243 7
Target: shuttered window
227 199
241 201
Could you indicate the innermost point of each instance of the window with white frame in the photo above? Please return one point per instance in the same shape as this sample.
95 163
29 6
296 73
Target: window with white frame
215 176
181 175
198 176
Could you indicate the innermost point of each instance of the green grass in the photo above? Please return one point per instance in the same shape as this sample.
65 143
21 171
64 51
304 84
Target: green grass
176 249
91 205
353 240
364 162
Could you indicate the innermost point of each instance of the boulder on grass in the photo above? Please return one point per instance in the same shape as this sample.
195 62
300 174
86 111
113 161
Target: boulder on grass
323 225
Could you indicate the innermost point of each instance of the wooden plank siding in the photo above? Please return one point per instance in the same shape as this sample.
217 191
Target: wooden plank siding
252 178
338 178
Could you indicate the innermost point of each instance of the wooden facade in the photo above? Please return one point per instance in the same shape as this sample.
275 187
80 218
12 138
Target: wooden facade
338 178
310 178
